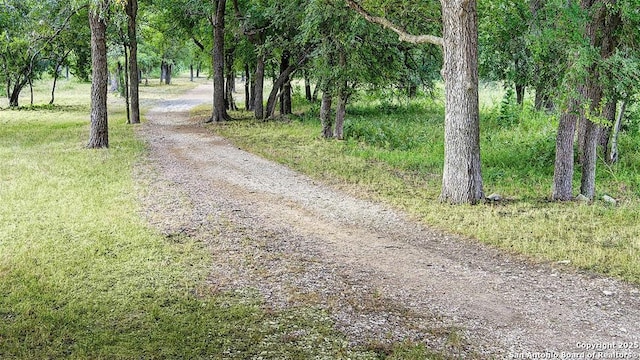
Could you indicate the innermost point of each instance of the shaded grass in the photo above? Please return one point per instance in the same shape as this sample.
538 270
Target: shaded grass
83 276
394 153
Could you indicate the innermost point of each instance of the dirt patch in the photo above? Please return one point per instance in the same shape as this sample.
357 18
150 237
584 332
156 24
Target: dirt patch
383 277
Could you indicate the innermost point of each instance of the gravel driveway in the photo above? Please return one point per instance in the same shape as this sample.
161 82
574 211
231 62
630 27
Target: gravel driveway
381 276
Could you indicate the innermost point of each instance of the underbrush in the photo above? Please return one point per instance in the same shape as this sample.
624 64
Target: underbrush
83 276
393 152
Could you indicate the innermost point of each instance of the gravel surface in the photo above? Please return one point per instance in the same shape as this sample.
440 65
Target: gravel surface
381 276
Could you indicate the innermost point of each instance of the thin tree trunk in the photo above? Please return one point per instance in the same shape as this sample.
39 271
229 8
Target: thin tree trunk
56 75
168 74
462 177
127 100
608 113
258 97
285 89
53 88
341 111
191 72
520 93
247 88
230 82
280 81
31 90
613 153
134 73
307 87
99 131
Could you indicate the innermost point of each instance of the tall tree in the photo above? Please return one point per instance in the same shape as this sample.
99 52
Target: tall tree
462 177
219 109
27 31
99 130
131 8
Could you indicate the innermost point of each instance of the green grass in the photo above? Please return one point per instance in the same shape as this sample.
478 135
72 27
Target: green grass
83 276
394 153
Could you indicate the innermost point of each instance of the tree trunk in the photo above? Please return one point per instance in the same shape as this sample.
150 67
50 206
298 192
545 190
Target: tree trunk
608 113
341 108
462 177
307 87
219 110
231 80
280 81
613 153
520 93
247 88
601 30
56 75
99 131
277 84
53 88
563 170
31 90
168 74
258 97
285 89
341 111
325 115
191 72
127 99
134 73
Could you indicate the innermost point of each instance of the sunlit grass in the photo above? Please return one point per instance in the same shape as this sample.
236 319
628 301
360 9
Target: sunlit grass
83 276
394 153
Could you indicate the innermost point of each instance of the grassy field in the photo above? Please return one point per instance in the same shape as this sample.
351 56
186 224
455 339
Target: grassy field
394 153
83 276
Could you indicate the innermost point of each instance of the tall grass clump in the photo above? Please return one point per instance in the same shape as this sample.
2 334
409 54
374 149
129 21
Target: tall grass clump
393 152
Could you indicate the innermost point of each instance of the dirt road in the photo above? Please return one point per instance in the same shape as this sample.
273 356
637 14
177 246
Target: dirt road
382 276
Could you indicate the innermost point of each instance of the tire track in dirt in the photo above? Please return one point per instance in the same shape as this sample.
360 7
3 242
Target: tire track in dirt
382 276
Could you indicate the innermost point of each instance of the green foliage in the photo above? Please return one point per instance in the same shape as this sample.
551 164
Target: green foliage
509 109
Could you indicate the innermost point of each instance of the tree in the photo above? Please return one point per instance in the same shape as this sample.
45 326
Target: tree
462 177
27 30
99 131
134 81
219 109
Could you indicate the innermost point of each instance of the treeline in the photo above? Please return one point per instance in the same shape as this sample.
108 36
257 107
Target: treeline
578 59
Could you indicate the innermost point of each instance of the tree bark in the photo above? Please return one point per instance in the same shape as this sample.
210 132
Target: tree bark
277 84
285 89
258 97
219 109
307 87
127 99
325 115
520 93
462 177
608 113
134 73
230 80
601 30
99 131
248 80
341 108
613 153
563 170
